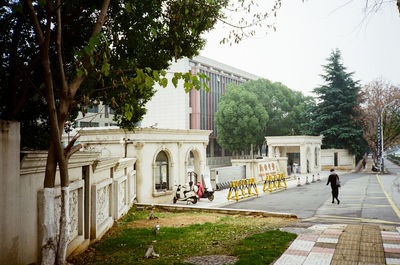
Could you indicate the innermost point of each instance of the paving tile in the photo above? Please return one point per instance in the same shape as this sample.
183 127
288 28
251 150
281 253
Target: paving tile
370 246
347 252
393 250
308 237
345 258
391 245
325 245
332 232
297 252
376 260
340 262
396 238
389 241
369 253
290 260
327 240
392 255
318 259
330 236
371 240
302 245
355 245
323 250
350 237
390 233
319 227
392 261
369 263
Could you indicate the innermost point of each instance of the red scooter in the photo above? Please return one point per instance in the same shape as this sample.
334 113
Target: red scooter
203 192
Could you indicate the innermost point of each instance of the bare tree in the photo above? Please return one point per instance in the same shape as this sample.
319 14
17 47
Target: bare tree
381 101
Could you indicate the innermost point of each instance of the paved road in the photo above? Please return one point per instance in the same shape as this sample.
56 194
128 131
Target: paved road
365 198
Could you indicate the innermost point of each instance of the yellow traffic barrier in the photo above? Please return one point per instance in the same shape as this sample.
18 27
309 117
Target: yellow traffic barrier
275 182
243 188
233 190
251 184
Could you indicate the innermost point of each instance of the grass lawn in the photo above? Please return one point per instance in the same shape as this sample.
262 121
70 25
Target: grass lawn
254 240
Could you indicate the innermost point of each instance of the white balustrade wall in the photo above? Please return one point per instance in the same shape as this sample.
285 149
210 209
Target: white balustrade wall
100 191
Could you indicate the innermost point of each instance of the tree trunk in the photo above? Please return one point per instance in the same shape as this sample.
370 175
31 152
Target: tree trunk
64 227
47 227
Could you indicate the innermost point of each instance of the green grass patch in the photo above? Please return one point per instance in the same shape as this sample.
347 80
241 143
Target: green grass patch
253 239
262 248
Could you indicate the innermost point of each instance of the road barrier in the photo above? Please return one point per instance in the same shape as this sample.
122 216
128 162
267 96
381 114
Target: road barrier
275 182
244 188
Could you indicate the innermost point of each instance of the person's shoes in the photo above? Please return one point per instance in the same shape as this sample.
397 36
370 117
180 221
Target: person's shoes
333 201
338 202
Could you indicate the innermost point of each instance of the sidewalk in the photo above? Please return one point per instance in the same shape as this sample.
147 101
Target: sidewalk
341 244
220 197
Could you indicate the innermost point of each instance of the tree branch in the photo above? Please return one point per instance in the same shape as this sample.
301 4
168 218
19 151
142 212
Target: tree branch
76 82
64 84
36 24
74 149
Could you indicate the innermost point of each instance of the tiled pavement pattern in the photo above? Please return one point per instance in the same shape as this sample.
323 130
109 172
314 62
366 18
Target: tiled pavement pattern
341 244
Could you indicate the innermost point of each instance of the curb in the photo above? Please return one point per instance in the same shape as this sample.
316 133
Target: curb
182 208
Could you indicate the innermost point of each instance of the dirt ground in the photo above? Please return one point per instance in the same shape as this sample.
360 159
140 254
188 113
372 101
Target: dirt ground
174 221
186 220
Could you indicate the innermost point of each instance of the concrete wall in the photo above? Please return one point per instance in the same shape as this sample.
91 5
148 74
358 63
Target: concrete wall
269 165
9 190
346 161
87 201
104 181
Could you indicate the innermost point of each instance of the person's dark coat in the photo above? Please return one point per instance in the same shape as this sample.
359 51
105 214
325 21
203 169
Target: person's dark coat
333 180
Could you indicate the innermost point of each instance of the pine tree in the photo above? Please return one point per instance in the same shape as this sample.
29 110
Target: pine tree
335 115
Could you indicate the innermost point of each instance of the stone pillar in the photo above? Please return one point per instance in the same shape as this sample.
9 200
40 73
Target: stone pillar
277 152
140 174
270 151
313 165
9 192
303 159
211 143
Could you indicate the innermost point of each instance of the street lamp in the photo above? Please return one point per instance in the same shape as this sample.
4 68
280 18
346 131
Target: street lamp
381 127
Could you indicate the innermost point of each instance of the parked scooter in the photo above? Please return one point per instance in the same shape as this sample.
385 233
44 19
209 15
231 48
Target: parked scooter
182 194
203 192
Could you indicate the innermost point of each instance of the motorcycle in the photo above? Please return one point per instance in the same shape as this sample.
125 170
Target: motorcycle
203 192
182 194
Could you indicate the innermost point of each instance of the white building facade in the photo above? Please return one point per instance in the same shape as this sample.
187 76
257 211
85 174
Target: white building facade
173 108
303 150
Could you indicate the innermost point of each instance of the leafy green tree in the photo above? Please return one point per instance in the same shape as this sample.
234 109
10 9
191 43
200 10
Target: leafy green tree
240 119
58 57
284 106
336 113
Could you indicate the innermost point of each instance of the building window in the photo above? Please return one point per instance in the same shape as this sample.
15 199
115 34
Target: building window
161 173
88 124
94 109
106 111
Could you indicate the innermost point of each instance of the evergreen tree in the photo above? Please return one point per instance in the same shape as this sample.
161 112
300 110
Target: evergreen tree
335 114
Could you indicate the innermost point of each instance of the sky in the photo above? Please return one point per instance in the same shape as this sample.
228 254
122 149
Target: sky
306 33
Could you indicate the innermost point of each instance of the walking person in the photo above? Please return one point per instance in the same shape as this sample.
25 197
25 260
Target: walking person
335 184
